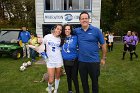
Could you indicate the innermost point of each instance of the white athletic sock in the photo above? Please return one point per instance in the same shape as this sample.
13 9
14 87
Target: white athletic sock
57 83
49 87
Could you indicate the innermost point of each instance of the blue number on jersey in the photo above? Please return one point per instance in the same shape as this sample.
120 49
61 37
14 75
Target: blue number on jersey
53 49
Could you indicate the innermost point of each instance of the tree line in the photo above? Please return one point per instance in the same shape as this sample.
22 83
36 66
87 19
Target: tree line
15 13
117 16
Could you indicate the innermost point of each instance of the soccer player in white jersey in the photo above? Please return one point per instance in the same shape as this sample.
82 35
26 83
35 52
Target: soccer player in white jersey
55 61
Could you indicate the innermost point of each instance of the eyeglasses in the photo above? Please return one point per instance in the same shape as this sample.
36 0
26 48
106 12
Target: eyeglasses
84 19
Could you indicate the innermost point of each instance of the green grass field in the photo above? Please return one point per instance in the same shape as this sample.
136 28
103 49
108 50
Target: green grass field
117 76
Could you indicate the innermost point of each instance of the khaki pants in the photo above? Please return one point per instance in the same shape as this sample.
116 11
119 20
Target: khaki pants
26 50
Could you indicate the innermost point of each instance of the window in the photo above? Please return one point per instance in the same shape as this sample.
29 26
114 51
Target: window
54 4
71 4
9 35
58 4
87 4
81 3
67 5
75 4
47 4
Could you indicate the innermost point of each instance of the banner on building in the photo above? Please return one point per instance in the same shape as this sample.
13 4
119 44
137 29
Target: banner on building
62 17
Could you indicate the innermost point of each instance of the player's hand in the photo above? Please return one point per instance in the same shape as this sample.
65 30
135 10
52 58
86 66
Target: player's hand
102 62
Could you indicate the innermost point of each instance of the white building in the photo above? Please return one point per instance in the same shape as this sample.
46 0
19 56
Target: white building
51 12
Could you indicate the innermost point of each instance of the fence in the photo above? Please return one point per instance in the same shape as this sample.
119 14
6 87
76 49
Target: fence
118 38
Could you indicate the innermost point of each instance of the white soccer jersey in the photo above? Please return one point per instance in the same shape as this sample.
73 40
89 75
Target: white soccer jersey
53 48
110 38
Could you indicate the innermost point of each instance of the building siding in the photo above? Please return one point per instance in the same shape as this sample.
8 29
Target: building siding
39 7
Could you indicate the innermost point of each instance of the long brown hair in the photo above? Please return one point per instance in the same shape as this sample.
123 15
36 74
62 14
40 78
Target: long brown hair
63 35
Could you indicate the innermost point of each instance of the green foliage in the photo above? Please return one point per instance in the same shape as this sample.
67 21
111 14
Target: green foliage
122 15
107 7
17 13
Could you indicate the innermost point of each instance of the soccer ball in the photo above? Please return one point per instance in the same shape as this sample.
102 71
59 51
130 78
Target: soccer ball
25 64
29 63
22 68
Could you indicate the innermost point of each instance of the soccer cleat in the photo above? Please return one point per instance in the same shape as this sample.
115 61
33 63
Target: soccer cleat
55 91
49 91
70 92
